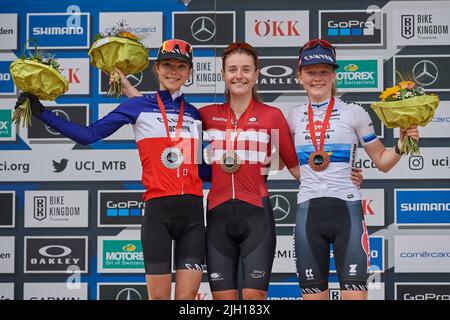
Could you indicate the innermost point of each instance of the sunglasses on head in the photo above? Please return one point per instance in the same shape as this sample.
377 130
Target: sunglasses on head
313 43
176 45
239 45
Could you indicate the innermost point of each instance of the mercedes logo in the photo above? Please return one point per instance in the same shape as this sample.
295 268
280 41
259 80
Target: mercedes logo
203 29
129 294
61 114
425 72
135 79
281 206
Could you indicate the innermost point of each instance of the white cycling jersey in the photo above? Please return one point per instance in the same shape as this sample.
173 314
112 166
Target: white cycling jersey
348 123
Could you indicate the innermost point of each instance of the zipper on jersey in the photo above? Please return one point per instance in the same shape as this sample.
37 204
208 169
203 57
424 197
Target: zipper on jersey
232 175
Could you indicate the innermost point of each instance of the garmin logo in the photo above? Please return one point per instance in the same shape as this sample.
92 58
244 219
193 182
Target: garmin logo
39 31
411 207
6 31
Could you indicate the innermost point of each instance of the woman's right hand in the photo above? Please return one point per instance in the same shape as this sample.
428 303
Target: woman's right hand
127 88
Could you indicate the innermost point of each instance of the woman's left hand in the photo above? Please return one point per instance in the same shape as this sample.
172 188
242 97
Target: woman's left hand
356 177
412 132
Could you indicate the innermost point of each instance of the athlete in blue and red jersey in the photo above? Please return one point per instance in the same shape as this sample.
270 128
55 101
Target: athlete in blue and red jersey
168 136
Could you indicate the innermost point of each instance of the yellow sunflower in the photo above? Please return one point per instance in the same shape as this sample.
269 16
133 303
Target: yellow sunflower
389 92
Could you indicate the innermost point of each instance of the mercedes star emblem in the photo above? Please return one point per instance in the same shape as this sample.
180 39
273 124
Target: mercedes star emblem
203 29
281 206
425 72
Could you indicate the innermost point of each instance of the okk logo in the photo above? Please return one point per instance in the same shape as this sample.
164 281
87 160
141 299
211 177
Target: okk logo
283 28
416 162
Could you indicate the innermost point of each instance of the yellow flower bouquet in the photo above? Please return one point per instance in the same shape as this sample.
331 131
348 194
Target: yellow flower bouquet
38 74
404 105
121 49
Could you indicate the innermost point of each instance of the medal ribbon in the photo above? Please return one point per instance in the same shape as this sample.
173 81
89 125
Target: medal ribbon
242 120
166 122
312 128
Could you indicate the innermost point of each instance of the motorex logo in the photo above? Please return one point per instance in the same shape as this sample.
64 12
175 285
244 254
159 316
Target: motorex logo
422 206
6 81
5 124
59 30
376 249
359 74
122 255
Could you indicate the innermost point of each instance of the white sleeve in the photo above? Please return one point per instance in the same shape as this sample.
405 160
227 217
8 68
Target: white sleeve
363 125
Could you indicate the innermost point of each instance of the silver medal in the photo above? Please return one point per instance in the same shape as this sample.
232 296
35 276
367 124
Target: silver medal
172 158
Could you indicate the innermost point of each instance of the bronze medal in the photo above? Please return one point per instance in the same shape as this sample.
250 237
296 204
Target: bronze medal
230 162
319 160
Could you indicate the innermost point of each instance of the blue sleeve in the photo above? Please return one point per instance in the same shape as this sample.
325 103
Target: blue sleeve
125 113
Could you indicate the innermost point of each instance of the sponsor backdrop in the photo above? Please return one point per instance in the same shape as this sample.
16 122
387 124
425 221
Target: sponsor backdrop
70 215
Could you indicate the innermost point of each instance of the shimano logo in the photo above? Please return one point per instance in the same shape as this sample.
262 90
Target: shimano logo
51 31
411 207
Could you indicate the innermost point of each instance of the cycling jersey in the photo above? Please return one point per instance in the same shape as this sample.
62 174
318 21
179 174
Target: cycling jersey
144 115
264 125
348 123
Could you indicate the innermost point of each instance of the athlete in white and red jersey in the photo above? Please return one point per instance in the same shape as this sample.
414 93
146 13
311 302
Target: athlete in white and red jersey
240 223
326 132
168 136
255 138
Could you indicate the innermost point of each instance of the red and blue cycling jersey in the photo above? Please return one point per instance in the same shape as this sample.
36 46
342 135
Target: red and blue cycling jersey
144 115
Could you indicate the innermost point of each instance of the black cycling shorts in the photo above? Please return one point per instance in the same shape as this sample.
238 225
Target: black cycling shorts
179 218
322 221
239 231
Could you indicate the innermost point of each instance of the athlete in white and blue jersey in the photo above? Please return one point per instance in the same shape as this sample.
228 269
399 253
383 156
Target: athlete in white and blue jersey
326 133
349 124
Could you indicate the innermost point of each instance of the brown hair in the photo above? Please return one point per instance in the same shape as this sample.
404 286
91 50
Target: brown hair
255 94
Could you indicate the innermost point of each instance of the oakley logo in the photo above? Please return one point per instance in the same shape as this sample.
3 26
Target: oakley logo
203 29
55 251
425 72
269 71
281 206
129 294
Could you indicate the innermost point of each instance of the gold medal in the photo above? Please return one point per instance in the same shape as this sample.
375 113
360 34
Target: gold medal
230 162
319 160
